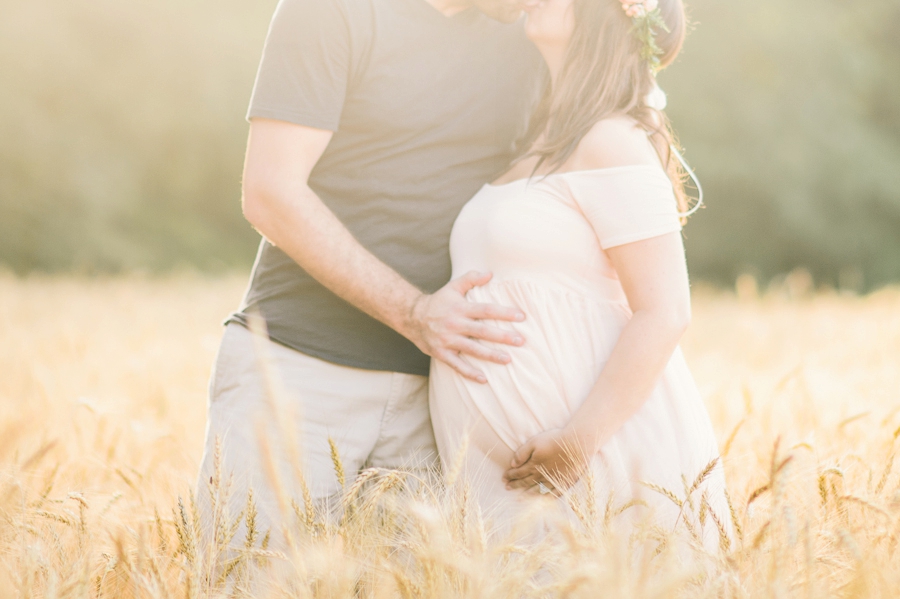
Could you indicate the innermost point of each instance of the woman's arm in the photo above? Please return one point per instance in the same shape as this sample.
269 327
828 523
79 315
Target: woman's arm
654 276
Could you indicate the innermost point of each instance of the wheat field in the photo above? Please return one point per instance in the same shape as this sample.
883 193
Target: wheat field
102 408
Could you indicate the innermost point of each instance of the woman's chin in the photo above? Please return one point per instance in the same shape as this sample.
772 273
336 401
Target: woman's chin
532 30
540 36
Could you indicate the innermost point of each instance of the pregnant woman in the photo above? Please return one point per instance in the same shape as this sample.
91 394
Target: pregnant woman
583 235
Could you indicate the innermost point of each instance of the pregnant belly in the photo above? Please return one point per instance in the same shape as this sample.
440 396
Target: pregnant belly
568 340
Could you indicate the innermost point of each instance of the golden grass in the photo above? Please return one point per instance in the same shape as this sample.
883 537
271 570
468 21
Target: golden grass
102 406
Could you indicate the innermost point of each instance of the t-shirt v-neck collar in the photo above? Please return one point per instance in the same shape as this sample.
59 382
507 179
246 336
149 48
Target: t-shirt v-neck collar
463 17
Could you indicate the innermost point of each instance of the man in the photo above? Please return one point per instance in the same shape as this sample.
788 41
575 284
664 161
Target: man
372 123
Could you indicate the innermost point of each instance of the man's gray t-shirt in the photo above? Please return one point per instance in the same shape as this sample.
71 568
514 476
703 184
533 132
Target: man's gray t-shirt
425 109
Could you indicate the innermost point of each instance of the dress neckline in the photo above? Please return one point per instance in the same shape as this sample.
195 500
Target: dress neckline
604 170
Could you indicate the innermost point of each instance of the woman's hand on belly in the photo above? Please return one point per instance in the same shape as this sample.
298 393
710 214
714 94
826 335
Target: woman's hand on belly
556 458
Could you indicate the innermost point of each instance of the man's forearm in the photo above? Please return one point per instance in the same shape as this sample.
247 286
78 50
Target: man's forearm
279 203
303 227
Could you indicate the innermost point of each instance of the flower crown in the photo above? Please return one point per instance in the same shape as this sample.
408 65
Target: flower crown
646 19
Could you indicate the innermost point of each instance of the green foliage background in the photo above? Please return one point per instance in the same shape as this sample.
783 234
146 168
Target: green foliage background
791 113
122 132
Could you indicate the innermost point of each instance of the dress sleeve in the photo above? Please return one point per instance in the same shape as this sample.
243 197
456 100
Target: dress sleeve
626 204
303 74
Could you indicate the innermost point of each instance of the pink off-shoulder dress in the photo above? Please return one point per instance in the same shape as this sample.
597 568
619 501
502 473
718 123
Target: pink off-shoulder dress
545 241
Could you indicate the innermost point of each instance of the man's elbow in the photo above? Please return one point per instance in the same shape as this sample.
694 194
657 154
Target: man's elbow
256 204
250 207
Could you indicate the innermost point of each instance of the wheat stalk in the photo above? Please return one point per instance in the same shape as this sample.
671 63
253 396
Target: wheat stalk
886 473
350 495
338 464
458 461
724 537
665 492
865 504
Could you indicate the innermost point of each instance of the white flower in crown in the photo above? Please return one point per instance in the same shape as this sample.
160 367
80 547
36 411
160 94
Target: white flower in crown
637 9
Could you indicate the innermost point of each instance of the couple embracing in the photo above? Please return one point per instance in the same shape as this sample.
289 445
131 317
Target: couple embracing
396 145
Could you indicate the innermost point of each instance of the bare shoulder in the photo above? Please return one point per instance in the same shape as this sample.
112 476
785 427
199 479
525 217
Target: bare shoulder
612 142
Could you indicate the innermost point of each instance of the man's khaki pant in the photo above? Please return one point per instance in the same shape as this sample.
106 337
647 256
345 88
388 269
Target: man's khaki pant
272 413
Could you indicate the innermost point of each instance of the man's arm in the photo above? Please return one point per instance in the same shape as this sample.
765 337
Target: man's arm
278 202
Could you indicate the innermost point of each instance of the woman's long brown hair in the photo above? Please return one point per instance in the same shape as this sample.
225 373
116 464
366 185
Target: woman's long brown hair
604 76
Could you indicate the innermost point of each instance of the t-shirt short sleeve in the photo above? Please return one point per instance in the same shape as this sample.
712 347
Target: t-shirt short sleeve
303 74
626 204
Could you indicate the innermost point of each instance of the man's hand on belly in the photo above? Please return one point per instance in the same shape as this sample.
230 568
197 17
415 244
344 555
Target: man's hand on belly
279 203
446 326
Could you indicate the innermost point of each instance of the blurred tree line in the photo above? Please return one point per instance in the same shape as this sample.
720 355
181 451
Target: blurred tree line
790 112
122 133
